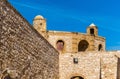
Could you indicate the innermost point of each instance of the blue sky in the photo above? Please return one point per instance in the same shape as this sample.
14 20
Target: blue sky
76 16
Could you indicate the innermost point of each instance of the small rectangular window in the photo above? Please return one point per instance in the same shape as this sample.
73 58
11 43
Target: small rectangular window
75 60
92 31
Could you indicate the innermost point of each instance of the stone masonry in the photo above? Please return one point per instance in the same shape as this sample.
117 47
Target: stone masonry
24 53
87 57
91 65
73 41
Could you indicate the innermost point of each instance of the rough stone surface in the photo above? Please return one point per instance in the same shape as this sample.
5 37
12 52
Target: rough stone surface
93 62
65 38
24 53
91 65
72 41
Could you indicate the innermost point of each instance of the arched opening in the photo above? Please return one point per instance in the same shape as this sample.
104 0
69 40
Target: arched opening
83 45
77 77
99 47
6 76
92 31
60 45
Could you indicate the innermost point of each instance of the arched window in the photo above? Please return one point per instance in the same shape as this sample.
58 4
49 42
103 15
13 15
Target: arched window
99 47
60 45
7 77
92 31
77 77
83 45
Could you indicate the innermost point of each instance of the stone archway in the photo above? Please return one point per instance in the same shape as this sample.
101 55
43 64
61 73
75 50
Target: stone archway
76 77
83 45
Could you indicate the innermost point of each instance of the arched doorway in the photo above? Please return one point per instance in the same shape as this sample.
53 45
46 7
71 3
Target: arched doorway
6 76
83 45
77 77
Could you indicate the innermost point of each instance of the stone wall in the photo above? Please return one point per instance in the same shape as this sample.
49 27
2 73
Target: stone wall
24 53
98 41
108 66
91 65
72 41
87 67
67 38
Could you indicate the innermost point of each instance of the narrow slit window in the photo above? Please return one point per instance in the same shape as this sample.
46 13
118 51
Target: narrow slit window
99 47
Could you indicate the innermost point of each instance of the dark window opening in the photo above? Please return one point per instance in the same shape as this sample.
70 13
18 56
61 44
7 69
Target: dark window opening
77 77
40 23
60 45
92 31
75 60
99 47
83 45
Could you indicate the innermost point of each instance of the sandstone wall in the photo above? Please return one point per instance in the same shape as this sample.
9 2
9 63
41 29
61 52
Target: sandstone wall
108 66
67 38
88 66
24 53
98 41
91 65
72 41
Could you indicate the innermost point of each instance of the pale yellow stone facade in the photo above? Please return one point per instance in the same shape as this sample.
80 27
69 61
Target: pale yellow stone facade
82 56
91 65
73 41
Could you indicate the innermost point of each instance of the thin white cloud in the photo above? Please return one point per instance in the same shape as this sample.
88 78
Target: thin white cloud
53 10
25 5
114 48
